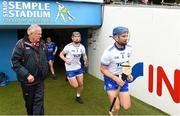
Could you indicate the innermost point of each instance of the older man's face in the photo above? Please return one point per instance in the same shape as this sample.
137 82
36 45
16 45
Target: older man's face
34 37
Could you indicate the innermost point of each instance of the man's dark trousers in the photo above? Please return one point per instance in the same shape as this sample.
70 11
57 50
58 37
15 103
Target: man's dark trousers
34 98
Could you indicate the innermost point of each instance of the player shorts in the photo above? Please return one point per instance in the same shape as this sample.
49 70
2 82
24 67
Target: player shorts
51 57
74 73
110 84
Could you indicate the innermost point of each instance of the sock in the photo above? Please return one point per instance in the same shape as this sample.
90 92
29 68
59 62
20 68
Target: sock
78 95
53 73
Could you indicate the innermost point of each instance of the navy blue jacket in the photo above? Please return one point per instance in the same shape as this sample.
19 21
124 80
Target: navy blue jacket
30 59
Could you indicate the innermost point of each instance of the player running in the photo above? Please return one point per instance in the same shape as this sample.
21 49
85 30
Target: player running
111 63
71 55
52 49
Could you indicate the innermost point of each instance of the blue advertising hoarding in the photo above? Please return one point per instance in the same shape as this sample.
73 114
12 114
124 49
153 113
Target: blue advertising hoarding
46 12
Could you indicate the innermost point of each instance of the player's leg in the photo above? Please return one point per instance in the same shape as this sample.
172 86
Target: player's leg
80 84
112 91
53 72
125 100
79 89
124 96
111 95
79 77
51 66
73 82
80 80
71 76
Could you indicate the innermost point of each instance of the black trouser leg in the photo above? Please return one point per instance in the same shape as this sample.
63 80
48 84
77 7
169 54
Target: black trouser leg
28 94
38 106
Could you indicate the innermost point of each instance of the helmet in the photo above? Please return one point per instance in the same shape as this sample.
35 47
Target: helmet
119 30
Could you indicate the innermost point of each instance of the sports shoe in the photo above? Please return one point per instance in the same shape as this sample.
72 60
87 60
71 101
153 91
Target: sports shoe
78 99
54 76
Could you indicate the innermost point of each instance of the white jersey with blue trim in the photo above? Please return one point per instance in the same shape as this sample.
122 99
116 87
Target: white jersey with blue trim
73 54
114 57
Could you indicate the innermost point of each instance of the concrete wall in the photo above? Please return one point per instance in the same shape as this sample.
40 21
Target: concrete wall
8 39
154 35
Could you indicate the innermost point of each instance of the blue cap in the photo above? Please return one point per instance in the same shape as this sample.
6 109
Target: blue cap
119 30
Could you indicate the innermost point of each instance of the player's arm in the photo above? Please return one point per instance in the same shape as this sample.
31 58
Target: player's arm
62 56
106 72
85 60
55 50
17 59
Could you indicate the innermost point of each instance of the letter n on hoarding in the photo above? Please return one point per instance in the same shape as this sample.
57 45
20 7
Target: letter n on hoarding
162 77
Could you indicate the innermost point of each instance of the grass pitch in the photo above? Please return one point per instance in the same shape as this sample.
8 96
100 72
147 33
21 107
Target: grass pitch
60 99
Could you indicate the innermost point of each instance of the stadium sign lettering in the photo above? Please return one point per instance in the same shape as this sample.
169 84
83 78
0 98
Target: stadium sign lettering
25 9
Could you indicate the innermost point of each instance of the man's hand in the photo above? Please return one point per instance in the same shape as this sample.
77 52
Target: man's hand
120 82
30 78
85 63
67 61
130 78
